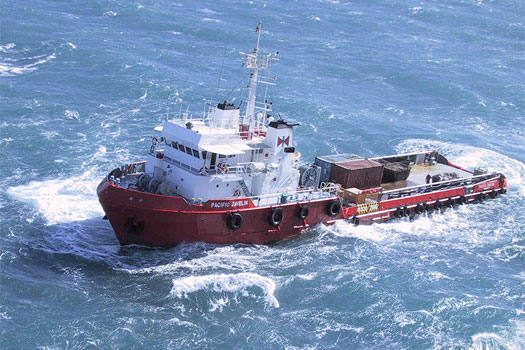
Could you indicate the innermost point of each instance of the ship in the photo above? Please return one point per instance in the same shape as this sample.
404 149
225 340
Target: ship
227 177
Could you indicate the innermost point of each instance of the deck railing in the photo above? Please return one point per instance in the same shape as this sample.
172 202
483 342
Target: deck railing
436 186
307 194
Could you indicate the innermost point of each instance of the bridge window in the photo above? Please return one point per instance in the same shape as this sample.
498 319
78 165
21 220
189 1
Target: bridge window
181 148
188 150
195 153
174 144
204 153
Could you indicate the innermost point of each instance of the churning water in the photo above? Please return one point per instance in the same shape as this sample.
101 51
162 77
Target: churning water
84 83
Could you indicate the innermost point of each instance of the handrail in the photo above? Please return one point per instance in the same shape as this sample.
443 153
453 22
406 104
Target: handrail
296 195
439 185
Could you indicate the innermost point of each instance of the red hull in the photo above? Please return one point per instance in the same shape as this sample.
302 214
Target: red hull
155 220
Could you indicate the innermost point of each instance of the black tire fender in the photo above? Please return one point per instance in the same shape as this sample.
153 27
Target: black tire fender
481 197
334 208
276 217
398 213
303 212
234 221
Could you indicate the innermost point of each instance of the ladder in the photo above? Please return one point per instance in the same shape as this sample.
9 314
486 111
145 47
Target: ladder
244 187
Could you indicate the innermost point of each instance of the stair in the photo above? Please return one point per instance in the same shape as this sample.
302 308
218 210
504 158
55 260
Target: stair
244 188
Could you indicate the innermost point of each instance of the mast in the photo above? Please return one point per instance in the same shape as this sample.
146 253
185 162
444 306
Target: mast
255 63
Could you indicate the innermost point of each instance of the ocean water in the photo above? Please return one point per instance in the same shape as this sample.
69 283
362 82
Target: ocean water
83 84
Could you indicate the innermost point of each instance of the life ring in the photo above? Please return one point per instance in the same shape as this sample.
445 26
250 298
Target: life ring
132 227
355 220
438 205
203 171
419 208
234 221
406 211
276 217
399 212
237 193
334 208
462 200
303 212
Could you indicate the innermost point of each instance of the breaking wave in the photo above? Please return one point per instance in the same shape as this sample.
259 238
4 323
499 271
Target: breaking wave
11 67
226 283
508 339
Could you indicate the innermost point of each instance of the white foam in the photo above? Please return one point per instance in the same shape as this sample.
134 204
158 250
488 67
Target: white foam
219 304
462 224
10 69
230 283
229 257
207 11
416 10
61 200
206 19
510 338
308 276
72 114
179 322
110 14
404 319
7 47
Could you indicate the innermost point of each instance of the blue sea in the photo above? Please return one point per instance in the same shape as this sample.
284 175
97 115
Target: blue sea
84 83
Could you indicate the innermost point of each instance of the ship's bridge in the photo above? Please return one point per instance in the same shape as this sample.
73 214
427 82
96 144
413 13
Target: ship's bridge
203 161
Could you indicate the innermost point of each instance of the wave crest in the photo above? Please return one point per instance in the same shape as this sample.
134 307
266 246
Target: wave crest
229 283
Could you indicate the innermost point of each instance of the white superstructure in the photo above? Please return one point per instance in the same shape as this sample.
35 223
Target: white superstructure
226 154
